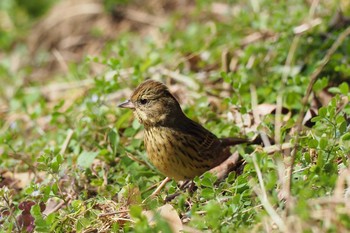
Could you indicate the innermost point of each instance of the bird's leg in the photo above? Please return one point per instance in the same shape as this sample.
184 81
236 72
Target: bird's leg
184 185
171 197
189 185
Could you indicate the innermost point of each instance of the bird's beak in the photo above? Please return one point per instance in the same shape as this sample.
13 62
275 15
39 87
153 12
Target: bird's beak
127 104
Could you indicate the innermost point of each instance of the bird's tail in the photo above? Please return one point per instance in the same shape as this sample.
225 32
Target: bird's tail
235 141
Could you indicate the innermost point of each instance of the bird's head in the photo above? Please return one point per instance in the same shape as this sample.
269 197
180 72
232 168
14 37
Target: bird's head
153 104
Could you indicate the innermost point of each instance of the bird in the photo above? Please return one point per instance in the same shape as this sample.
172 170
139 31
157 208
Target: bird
177 146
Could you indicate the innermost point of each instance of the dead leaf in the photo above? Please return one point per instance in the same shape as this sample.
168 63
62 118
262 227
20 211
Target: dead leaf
311 113
16 180
51 206
169 214
323 98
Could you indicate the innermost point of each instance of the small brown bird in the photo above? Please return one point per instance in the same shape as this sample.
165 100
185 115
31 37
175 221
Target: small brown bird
176 145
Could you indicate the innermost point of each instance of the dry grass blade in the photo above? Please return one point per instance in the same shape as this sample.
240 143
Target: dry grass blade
307 26
113 213
132 157
66 142
275 148
158 189
254 101
143 17
264 198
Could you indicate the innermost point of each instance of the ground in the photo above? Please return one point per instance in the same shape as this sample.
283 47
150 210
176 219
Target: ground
71 161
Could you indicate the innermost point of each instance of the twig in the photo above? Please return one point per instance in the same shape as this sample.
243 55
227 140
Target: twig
279 101
113 213
156 192
251 208
222 170
124 219
302 169
307 26
313 79
59 206
275 148
61 60
132 157
260 178
66 142
176 76
254 102
264 200
257 36
144 18
150 188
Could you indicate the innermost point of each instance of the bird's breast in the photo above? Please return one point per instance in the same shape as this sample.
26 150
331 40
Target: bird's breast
174 153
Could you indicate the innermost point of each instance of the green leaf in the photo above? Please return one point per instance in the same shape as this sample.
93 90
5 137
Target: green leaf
313 143
346 137
136 124
208 179
114 139
322 112
334 90
35 211
122 118
83 223
340 119
307 157
136 211
77 204
343 127
208 193
344 88
56 162
40 224
316 118
320 84
323 143
51 218
86 158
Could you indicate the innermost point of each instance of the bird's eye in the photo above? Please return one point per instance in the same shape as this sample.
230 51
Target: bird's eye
143 101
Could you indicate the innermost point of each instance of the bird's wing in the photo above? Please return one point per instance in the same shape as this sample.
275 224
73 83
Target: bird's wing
206 143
